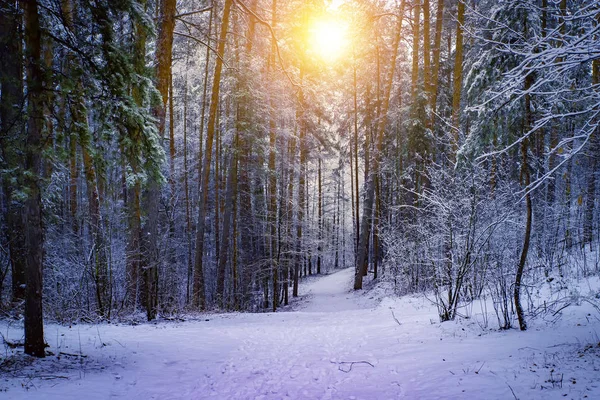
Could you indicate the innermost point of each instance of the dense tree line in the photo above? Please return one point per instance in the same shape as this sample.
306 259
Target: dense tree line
168 157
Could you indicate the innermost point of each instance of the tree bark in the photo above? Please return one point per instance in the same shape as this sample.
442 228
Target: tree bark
355 194
415 50
526 240
526 180
458 72
227 217
188 219
426 47
34 326
301 188
368 204
290 212
205 92
199 290
594 161
376 222
272 212
437 49
319 217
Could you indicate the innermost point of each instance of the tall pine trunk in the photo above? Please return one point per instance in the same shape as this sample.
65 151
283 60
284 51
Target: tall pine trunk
370 195
457 76
526 180
435 67
199 284
301 188
416 23
272 184
594 162
34 326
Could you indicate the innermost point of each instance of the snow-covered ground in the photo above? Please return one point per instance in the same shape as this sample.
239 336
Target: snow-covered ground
332 344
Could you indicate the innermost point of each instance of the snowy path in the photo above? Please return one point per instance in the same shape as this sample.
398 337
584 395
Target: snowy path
333 293
305 354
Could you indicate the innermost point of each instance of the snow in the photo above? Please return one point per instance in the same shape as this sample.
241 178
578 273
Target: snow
333 294
332 344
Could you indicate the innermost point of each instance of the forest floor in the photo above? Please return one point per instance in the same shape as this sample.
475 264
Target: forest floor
333 343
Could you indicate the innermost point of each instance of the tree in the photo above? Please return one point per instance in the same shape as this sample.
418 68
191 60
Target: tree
272 171
164 56
361 265
34 326
457 76
594 164
199 284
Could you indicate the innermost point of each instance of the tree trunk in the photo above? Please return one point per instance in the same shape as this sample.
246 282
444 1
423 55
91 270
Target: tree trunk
367 156
205 91
133 247
319 217
567 205
69 15
416 23
217 183
164 51
227 217
376 223
368 204
73 177
523 259
170 279
234 260
188 219
301 188
355 196
246 219
199 294
272 212
588 219
458 72
132 195
426 47
150 257
290 211
34 326
526 179
594 156
437 49
79 114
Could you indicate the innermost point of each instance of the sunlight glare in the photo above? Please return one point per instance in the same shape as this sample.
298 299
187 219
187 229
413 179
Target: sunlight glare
328 38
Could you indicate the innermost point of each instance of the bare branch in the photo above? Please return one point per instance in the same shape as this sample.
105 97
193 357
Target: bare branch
178 16
202 43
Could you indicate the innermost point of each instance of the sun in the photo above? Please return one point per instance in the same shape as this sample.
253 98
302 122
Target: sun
328 38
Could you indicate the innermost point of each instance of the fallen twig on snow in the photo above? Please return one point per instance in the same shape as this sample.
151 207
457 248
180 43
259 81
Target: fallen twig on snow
477 372
395 319
64 353
49 377
513 392
351 364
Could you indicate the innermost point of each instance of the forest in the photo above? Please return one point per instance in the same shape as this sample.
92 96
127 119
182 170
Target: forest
162 157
